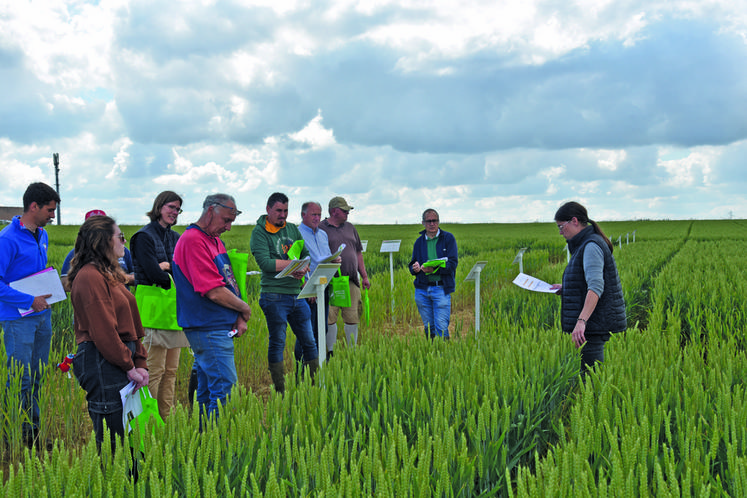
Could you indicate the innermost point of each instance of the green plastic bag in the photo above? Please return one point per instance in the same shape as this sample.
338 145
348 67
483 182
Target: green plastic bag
295 250
139 410
239 264
340 291
157 306
366 315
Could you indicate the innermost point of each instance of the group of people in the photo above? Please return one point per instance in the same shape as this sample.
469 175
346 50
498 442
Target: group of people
115 349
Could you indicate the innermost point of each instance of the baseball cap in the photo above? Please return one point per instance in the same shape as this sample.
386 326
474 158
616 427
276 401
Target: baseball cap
95 212
339 202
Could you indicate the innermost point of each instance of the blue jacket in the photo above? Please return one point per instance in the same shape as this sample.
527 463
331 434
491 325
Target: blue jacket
21 255
445 247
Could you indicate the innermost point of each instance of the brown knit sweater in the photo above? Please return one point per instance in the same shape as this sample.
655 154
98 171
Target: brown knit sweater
106 313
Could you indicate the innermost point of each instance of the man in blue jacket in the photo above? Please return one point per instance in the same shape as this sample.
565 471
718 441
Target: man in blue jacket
434 263
23 252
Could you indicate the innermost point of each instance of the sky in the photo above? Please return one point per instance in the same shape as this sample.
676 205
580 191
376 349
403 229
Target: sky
487 111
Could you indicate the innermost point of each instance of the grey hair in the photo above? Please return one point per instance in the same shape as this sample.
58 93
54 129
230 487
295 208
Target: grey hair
430 210
214 199
305 206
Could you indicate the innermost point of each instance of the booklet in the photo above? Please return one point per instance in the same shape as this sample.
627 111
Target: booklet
41 283
436 263
533 284
335 255
296 264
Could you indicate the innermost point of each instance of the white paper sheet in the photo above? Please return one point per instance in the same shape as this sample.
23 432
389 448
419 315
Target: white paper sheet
41 283
533 284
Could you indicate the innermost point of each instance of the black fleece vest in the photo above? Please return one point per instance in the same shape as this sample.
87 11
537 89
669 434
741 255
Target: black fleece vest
609 314
161 237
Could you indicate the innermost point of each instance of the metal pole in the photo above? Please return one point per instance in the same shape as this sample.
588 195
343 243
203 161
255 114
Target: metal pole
56 161
477 301
391 275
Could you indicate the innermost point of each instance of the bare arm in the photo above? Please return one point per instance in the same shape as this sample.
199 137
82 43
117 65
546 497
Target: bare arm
579 331
227 299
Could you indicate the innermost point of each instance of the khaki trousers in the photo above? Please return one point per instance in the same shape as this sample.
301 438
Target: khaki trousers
162 366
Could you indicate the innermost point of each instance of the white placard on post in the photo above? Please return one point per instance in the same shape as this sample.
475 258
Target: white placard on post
314 287
520 259
391 246
364 243
474 274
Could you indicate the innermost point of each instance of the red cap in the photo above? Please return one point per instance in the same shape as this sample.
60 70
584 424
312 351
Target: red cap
95 212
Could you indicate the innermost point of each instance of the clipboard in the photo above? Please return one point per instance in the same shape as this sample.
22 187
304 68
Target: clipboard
40 283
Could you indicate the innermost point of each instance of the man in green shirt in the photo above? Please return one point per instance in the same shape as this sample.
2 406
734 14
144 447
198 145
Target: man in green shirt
272 239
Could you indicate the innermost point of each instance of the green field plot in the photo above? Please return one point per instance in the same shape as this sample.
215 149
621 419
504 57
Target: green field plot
495 412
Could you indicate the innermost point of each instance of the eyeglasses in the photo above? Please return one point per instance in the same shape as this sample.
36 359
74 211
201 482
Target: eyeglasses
121 237
227 207
430 221
174 208
562 226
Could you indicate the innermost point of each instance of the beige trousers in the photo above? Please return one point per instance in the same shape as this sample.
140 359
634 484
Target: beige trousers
162 366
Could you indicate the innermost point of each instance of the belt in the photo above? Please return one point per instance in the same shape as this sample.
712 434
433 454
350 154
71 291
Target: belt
436 284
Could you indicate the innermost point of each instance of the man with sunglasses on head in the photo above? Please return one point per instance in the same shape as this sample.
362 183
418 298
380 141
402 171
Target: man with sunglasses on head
434 263
209 307
340 231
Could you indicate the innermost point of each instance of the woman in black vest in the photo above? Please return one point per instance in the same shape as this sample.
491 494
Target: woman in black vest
152 250
593 306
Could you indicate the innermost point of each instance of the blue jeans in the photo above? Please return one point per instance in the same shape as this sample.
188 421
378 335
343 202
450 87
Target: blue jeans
215 366
27 342
435 310
285 309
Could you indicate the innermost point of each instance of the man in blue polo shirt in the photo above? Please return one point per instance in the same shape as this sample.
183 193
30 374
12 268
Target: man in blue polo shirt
23 252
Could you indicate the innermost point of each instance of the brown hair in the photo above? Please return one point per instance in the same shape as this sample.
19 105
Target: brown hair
94 245
571 210
160 201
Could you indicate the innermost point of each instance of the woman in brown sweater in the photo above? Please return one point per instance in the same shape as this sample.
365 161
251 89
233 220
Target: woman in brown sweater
107 325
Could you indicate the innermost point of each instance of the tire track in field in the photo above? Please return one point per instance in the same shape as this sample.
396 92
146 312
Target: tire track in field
640 312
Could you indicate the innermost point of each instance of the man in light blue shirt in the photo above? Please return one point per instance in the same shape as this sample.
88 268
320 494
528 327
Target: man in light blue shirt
317 243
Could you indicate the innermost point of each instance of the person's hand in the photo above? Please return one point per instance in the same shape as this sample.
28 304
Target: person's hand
578 335
246 315
415 267
139 376
164 265
338 260
365 283
298 274
40 303
240 325
312 300
558 288
428 270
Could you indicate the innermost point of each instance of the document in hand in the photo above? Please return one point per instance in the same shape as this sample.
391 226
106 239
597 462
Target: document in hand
41 283
533 284
296 264
435 263
335 255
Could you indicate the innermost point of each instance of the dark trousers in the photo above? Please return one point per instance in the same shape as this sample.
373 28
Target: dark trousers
102 382
593 350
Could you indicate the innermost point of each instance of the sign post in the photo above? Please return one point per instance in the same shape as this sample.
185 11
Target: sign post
391 246
314 287
474 274
520 259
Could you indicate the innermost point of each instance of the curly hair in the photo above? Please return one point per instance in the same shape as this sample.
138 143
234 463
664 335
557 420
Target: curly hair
94 245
